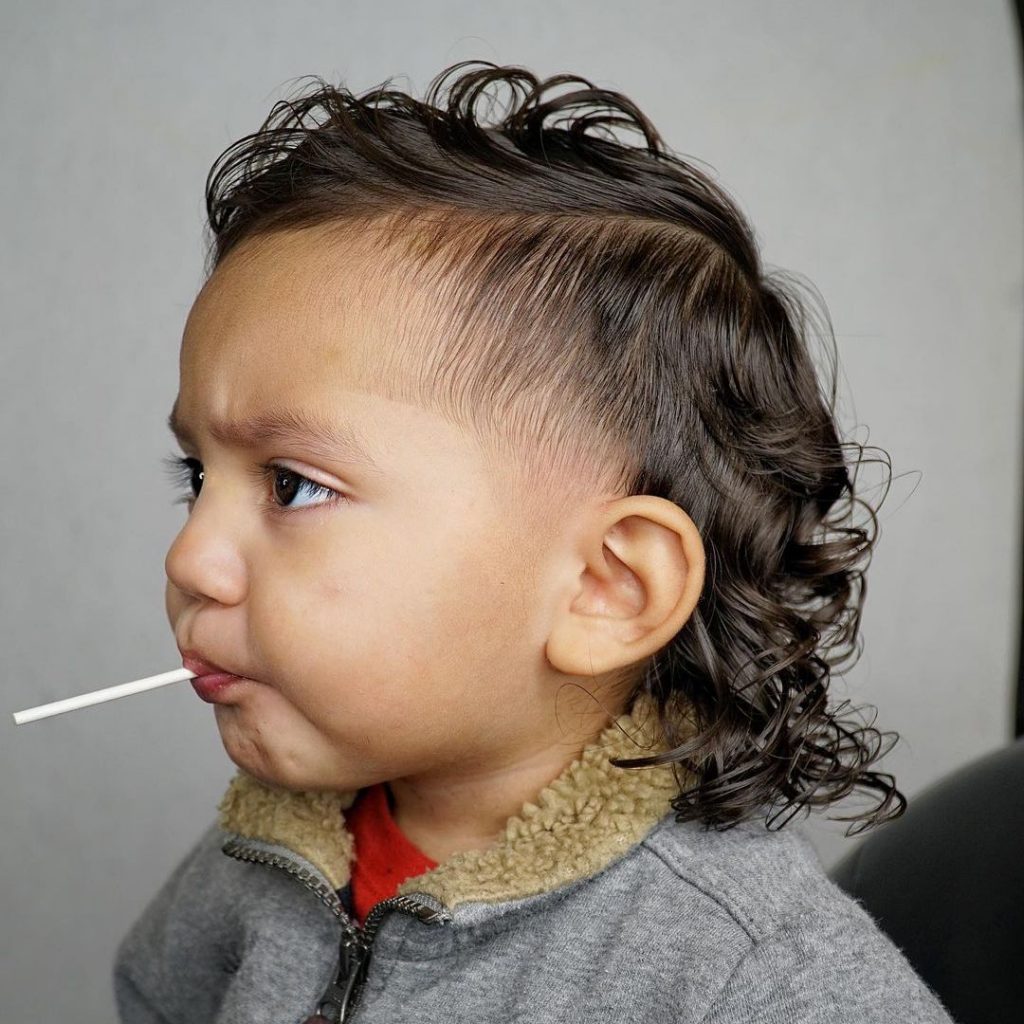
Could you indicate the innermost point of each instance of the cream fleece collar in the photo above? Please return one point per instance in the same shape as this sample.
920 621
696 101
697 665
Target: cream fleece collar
582 821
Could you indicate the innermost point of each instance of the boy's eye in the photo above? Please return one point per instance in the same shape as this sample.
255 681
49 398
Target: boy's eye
284 483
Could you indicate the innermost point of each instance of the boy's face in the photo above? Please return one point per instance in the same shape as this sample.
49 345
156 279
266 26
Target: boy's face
392 632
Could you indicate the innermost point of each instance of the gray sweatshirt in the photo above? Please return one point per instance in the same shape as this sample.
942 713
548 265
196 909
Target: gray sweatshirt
594 906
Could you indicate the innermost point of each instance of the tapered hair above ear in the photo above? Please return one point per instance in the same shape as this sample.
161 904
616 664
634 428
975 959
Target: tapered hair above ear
600 319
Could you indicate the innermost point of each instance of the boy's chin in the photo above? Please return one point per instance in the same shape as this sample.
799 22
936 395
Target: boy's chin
281 781
267 780
282 774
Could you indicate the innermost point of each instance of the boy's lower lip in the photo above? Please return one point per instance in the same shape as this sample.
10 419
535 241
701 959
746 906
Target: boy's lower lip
210 688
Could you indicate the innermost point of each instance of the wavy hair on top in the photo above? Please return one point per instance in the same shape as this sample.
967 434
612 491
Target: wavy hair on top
607 322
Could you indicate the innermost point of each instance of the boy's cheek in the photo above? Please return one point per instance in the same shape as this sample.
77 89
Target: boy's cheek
173 603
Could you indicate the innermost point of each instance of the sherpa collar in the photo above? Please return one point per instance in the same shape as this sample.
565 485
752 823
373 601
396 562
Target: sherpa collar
582 821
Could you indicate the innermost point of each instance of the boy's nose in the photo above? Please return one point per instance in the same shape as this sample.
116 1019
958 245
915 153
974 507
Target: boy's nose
205 559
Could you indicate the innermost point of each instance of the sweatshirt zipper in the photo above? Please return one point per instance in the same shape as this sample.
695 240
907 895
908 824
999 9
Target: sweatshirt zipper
339 1001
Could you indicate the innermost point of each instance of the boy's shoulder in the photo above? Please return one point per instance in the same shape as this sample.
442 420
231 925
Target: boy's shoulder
760 878
796 943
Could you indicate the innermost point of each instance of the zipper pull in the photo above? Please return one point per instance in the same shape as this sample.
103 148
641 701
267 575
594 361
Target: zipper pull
335 1003
338 1002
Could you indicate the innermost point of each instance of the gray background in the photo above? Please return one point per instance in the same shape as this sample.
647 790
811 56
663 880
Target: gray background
875 147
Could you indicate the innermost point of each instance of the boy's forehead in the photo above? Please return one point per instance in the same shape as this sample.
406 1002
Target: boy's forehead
299 310
276 294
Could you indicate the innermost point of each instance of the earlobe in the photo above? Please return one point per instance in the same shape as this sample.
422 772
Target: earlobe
642 578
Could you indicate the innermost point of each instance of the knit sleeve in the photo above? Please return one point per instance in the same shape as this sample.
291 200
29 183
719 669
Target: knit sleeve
817 969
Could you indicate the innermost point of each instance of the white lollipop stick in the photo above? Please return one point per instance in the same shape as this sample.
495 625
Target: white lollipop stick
99 696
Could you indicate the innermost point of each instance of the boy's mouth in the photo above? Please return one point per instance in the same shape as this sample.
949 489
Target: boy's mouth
211 680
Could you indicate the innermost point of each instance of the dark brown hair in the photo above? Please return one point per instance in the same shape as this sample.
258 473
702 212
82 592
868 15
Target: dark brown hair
611 324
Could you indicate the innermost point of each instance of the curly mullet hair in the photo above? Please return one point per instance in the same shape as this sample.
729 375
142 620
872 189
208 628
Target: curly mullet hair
608 322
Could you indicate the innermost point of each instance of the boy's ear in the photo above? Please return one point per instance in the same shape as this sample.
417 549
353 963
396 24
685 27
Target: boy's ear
642 575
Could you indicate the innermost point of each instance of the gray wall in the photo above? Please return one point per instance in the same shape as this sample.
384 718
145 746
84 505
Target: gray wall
876 148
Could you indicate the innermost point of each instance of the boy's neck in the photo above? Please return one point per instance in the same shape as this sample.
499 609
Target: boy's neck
469 811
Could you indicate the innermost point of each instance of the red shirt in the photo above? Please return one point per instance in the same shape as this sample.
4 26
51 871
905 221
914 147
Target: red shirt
384 857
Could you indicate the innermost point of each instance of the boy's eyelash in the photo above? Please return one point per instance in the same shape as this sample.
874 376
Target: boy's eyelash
180 471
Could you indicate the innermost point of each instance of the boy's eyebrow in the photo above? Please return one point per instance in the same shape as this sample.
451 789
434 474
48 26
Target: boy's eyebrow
321 437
